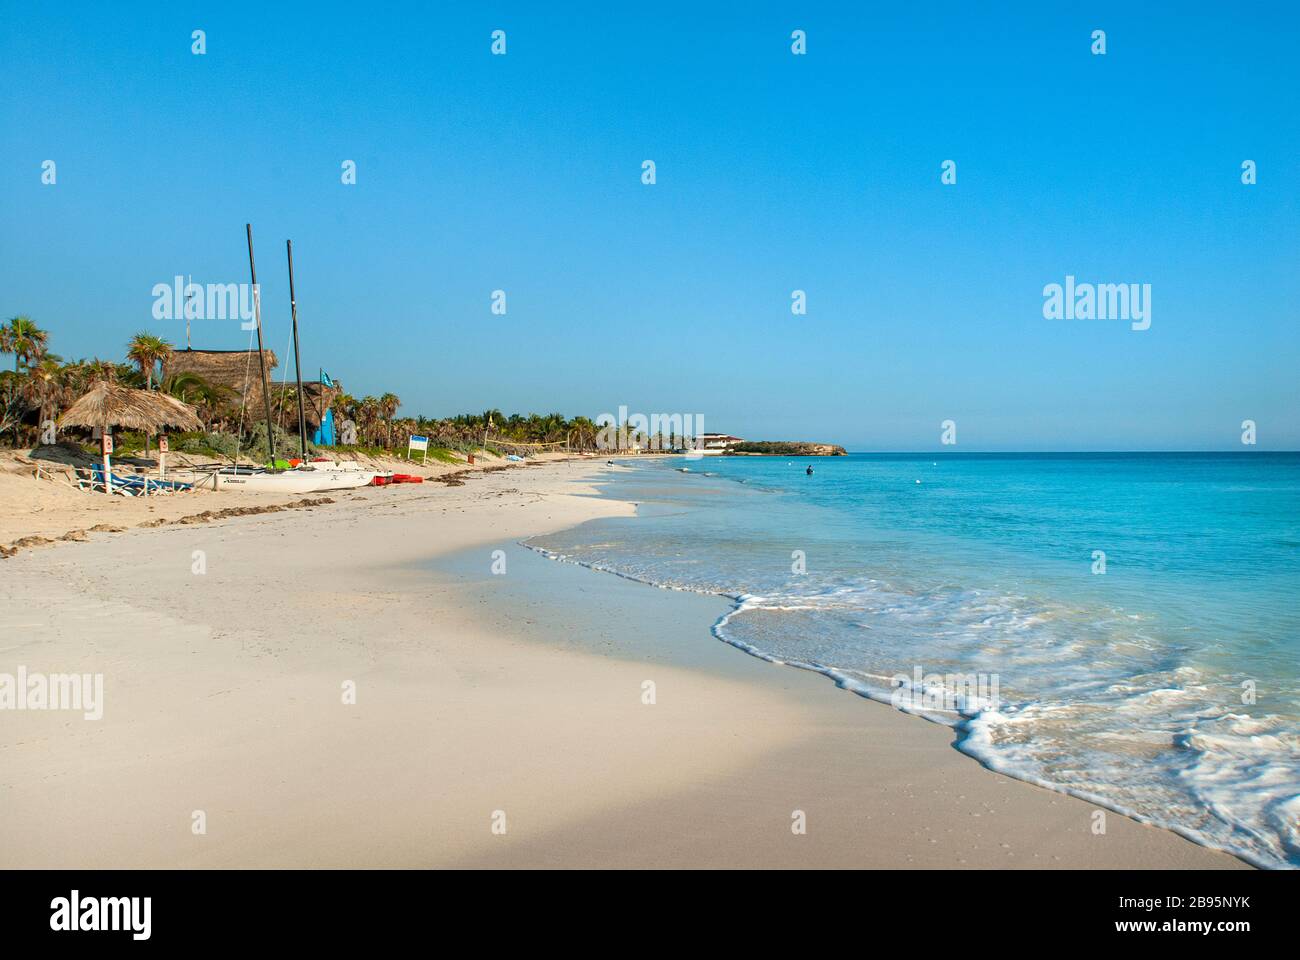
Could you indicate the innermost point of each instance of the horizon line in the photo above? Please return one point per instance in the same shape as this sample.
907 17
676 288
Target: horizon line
931 453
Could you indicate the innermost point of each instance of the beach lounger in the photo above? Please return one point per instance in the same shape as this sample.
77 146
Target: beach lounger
134 486
94 483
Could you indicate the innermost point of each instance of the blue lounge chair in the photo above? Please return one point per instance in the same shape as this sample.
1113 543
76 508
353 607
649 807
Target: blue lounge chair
135 486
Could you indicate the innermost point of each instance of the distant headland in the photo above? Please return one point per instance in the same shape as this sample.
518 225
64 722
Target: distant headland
785 448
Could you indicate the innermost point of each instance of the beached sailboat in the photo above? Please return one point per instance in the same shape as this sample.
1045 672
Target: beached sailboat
332 475
303 479
308 476
331 478
269 481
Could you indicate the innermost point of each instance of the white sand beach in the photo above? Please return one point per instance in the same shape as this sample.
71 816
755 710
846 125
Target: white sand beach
481 699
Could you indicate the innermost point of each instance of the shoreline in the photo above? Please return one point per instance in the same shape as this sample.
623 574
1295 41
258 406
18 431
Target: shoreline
848 685
959 732
477 693
968 738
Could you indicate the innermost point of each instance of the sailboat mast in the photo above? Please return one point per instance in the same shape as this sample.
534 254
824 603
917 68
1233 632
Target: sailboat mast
297 362
261 354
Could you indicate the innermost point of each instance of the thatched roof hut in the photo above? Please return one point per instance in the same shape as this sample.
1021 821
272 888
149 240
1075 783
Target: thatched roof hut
108 405
226 368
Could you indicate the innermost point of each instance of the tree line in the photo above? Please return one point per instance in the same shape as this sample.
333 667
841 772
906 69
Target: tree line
44 384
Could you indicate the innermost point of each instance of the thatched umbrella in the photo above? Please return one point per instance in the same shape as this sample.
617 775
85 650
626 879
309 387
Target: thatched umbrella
107 405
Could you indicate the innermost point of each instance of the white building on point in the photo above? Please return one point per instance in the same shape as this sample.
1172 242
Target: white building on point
714 444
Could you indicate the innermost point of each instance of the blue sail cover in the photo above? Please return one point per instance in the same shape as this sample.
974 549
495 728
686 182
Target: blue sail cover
324 435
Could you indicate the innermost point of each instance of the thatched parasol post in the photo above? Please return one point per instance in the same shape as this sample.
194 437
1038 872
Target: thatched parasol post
106 444
106 405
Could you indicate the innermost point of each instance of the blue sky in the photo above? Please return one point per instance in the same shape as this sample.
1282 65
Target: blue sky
775 173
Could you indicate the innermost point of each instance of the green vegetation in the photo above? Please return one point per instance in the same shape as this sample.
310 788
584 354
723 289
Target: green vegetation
443 455
785 448
42 385
466 432
216 446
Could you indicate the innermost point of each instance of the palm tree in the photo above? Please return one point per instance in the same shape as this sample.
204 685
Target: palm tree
388 405
208 398
582 433
129 375
147 351
553 428
26 342
24 339
344 406
367 414
97 369
48 381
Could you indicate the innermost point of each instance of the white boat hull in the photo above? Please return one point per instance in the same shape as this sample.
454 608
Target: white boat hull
340 479
301 480
288 482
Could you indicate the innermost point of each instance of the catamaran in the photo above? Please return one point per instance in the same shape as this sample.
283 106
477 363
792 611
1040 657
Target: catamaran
267 481
307 476
339 476
303 479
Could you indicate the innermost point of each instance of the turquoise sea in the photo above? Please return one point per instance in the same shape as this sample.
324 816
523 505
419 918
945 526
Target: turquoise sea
1161 679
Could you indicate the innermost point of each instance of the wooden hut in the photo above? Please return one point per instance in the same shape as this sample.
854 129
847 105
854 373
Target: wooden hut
236 369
